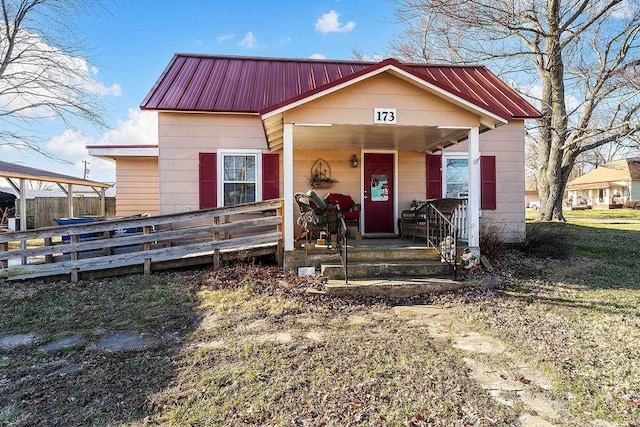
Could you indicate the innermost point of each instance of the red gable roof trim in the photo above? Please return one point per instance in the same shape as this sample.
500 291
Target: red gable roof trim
232 84
382 67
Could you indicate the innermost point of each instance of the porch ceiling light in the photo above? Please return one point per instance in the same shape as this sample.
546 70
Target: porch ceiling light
354 161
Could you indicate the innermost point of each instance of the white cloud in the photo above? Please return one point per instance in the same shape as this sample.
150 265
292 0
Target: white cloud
224 37
71 145
318 56
114 89
249 41
141 127
329 23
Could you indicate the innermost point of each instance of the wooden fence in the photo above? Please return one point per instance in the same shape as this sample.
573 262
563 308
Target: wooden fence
41 211
121 246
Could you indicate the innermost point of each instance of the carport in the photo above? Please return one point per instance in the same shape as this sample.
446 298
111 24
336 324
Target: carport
17 176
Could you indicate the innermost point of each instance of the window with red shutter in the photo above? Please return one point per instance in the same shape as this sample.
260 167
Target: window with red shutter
488 194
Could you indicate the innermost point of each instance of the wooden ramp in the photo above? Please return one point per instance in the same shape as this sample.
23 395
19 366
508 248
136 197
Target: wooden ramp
143 244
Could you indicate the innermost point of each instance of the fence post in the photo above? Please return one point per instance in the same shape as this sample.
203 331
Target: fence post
146 230
4 247
216 252
74 239
74 274
280 228
48 258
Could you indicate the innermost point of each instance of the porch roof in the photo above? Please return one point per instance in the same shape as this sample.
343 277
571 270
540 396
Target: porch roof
210 83
614 172
12 170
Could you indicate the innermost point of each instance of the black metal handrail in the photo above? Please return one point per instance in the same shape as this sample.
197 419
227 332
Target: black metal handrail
342 246
442 234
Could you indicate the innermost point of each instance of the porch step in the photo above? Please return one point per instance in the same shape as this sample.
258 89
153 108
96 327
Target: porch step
386 269
401 287
331 256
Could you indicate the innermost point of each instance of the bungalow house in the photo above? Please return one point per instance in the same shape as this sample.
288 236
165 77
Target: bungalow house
611 184
241 129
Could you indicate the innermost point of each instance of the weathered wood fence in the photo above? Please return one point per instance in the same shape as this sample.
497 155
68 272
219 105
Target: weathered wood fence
41 211
122 246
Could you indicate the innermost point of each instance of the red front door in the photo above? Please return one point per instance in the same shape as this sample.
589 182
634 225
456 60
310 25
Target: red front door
378 193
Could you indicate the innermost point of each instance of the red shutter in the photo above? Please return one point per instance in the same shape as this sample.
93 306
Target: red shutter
208 185
270 176
488 182
434 176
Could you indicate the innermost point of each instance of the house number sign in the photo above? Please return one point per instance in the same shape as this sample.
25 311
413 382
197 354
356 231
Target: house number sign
386 116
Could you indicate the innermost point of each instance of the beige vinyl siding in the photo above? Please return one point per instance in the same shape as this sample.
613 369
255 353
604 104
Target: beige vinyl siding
635 190
183 136
137 186
354 105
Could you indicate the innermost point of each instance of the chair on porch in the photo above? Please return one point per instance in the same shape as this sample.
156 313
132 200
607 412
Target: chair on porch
349 209
315 215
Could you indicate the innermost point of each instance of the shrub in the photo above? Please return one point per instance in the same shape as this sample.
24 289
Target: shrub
491 243
631 203
546 241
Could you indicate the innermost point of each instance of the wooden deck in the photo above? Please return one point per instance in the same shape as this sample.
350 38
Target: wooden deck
143 244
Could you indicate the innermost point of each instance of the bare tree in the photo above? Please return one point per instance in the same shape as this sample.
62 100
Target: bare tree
42 74
579 59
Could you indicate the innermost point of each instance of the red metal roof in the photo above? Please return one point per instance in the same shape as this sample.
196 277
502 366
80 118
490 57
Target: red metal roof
260 85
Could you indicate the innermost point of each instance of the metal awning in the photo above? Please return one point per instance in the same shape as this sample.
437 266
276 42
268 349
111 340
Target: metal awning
12 172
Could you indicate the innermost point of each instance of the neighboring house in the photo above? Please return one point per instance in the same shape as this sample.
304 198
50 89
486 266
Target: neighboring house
239 129
610 184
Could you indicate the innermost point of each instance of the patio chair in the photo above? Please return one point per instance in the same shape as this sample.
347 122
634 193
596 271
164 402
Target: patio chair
315 215
349 209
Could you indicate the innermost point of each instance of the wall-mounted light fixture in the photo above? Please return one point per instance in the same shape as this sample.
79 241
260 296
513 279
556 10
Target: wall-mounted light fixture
354 161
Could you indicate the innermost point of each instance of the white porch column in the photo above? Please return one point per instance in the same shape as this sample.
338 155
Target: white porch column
473 207
70 199
287 152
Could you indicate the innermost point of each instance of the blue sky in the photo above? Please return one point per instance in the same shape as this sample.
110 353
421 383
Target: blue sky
131 44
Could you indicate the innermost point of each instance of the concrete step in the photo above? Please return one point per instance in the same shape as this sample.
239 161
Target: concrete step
386 269
391 255
402 287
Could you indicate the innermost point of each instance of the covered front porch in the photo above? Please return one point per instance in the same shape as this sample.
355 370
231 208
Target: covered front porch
370 137
360 165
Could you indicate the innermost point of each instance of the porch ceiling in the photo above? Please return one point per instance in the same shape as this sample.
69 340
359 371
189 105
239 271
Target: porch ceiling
368 137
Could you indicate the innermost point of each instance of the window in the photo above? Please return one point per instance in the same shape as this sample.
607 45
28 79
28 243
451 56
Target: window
231 177
450 175
239 177
456 176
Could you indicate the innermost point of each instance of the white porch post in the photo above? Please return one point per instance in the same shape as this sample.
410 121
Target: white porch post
473 207
287 150
70 199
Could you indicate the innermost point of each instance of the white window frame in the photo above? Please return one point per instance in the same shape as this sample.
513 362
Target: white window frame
238 152
454 155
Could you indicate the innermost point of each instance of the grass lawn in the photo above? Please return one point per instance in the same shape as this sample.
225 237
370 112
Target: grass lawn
249 345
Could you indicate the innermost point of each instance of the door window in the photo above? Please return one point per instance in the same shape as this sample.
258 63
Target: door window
379 188
456 177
